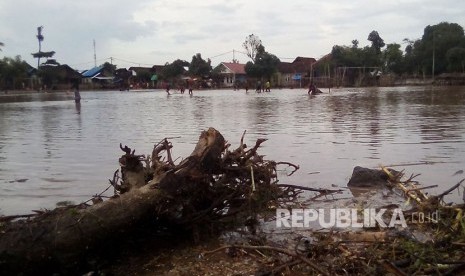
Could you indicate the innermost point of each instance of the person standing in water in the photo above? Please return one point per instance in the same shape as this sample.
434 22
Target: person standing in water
189 85
75 87
267 86
259 87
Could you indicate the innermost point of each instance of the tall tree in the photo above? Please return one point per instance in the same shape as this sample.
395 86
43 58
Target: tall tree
108 67
456 59
173 70
347 56
199 67
252 46
355 44
12 72
268 64
376 41
436 42
393 58
265 64
412 59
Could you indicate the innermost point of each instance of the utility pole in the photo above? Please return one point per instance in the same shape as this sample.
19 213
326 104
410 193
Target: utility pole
434 52
40 37
41 54
95 56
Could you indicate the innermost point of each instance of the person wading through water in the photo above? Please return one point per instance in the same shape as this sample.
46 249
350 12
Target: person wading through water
313 90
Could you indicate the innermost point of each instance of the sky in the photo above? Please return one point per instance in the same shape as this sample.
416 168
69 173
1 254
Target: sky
154 32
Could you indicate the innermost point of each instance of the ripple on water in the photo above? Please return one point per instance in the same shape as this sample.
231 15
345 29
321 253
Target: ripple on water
68 152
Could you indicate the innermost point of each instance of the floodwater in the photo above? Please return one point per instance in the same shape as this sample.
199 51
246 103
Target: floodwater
52 150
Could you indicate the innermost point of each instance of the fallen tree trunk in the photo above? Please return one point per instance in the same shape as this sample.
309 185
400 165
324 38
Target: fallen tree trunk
62 236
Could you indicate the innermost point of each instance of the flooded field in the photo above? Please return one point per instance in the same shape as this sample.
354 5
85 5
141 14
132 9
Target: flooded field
52 150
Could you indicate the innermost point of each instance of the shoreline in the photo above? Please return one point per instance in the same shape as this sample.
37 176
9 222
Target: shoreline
27 92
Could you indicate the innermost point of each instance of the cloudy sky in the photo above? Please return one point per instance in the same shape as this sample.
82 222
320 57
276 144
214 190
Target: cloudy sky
147 32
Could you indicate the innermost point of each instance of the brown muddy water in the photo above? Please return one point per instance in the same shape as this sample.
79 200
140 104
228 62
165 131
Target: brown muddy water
52 150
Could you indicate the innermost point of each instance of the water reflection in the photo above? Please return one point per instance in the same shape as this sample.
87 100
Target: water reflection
13 97
68 150
78 107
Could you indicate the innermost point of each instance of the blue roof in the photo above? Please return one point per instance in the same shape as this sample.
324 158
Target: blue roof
92 72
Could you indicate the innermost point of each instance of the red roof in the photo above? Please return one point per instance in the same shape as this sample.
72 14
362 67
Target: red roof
299 65
304 60
237 68
286 68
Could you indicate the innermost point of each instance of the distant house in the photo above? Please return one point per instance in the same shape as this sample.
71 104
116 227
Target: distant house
297 73
137 77
91 73
232 73
141 77
156 70
32 81
97 76
55 76
122 78
322 69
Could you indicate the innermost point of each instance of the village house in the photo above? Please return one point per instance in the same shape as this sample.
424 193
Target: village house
233 73
141 77
55 76
295 74
137 77
32 81
98 76
156 70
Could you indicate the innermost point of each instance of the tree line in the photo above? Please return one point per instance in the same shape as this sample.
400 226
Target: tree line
441 49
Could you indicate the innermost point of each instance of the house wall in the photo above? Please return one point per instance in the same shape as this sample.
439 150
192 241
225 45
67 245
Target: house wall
287 80
231 79
228 80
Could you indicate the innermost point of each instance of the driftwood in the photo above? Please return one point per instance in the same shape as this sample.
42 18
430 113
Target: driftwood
211 184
